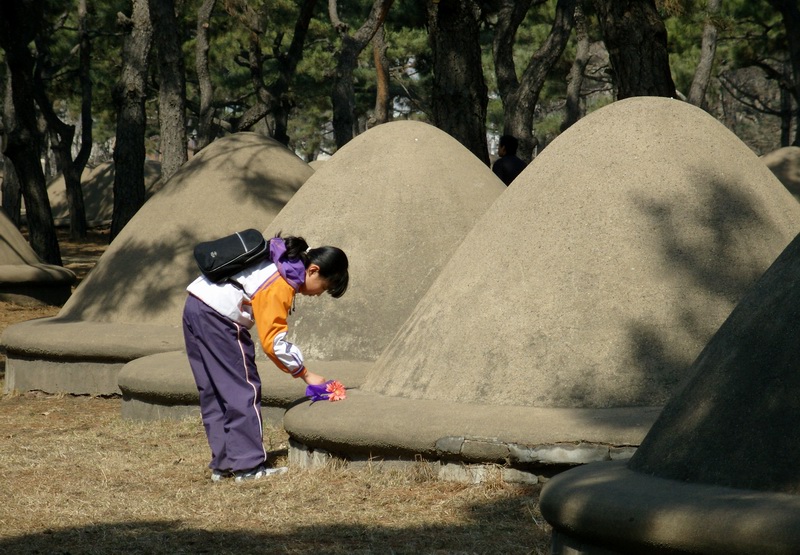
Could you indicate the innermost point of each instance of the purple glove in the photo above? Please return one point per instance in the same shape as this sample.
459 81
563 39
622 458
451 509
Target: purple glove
332 390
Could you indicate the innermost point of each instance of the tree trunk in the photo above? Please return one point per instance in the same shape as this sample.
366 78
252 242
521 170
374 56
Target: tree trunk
382 100
790 11
708 50
129 95
572 108
206 112
343 93
17 30
62 135
77 209
786 117
459 95
510 15
520 101
171 86
255 59
636 40
12 197
272 100
288 69
51 166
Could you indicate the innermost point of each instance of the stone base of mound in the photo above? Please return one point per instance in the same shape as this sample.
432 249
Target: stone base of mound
161 386
370 426
58 356
606 508
34 294
31 285
300 456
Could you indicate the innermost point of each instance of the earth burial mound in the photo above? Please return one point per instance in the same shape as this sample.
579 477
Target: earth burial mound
398 200
97 185
785 164
574 307
24 278
130 305
717 472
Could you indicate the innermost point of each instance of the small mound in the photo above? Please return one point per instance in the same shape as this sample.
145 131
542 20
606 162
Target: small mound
785 164
398 199
97 185
237 182
24 278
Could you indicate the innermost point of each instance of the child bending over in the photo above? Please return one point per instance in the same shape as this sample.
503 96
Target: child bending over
217 318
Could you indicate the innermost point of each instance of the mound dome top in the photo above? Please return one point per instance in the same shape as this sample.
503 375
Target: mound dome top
600 274
398 199
240 181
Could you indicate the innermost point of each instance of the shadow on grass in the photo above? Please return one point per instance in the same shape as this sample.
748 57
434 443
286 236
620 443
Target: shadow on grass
486 533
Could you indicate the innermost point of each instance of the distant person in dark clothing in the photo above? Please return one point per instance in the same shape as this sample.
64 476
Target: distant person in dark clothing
508 166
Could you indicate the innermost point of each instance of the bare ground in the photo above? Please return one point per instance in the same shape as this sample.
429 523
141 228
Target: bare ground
75 478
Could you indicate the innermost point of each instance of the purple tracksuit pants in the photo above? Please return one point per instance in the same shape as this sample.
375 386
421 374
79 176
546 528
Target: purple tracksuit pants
222 356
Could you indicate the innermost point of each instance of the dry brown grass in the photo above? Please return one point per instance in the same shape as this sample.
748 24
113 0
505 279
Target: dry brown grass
75 478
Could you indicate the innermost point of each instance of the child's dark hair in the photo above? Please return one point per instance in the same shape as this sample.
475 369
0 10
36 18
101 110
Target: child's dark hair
332 262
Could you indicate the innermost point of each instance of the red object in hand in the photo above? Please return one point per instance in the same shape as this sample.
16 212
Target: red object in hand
331 390
335 390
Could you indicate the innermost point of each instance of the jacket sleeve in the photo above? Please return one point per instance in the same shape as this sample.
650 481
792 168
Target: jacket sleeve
271 305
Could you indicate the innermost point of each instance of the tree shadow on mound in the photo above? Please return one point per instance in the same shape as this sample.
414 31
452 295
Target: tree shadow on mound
262 171
485 533
716 249
142 282
98 192
142 276
241 160
735 423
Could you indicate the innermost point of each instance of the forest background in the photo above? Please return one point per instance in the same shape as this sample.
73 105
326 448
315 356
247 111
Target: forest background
87 81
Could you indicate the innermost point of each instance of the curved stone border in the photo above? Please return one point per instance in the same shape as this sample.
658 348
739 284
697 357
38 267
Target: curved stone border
35 284
161 386
300 456
607 508
370 425
54 355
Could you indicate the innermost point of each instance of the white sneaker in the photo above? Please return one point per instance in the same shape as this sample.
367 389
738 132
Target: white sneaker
258 473
220 475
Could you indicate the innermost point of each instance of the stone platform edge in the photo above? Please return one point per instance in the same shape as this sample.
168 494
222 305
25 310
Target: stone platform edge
161 385
367 425
80 340
78 357
607 508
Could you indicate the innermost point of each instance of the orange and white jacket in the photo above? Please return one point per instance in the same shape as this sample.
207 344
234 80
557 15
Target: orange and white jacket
265 299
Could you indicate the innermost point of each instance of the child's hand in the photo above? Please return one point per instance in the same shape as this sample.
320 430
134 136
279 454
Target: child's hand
313 379
332 390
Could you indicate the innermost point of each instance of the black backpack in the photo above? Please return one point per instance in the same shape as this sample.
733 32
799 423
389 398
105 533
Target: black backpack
221 258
